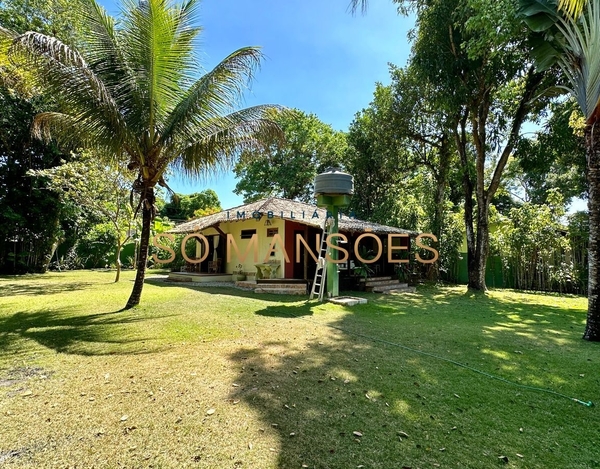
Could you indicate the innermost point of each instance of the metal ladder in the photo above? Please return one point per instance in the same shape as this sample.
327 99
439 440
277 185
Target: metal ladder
319 285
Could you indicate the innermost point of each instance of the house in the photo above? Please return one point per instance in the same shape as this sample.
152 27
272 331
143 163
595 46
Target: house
278 239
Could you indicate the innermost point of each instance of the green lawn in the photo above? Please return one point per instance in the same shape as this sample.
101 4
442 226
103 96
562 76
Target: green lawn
221 378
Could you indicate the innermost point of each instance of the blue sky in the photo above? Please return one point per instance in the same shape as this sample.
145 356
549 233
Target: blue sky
318 58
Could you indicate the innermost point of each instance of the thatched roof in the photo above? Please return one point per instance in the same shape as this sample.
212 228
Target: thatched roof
288 210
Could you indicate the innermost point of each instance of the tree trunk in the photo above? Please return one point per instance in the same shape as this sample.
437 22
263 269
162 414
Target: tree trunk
477 254
147 216
476 246
118 259
592 328
439 199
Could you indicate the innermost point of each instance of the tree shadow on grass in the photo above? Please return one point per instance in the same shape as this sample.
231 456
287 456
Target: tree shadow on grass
286 311
89 334
343 395
45 288
226 290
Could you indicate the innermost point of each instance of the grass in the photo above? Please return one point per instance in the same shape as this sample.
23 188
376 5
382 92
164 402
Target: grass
221 378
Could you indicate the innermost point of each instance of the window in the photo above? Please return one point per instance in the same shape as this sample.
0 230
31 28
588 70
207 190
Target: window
272 232
247 234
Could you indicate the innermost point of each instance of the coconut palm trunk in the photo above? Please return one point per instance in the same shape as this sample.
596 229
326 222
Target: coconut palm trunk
592 328
148 211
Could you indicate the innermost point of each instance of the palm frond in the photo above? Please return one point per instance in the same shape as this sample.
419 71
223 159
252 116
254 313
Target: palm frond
105 55
6 34
580 60
356 5
71 133
213 95
572 8
65 74
219 142
158 43
570 40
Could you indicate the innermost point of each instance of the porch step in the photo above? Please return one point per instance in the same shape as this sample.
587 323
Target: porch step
380 283
275 288
374 279
285 290
399 288
392 286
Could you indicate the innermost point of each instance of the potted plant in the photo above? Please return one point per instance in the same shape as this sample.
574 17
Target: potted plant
238 273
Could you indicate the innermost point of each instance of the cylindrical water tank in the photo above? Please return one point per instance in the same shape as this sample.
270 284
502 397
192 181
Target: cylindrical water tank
334 182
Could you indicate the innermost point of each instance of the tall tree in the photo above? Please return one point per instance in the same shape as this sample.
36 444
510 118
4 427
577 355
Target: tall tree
490 86
29 214
426 129
184 207
381 166
98 189
554 158
402 155
131 93
476 54
288 168
570 38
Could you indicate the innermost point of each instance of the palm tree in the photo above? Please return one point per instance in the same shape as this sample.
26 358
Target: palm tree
132 91
569 36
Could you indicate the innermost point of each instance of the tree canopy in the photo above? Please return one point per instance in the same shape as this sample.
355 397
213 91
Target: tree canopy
287 168
184 207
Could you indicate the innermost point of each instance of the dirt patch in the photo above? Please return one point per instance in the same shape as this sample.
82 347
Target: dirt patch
18 375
